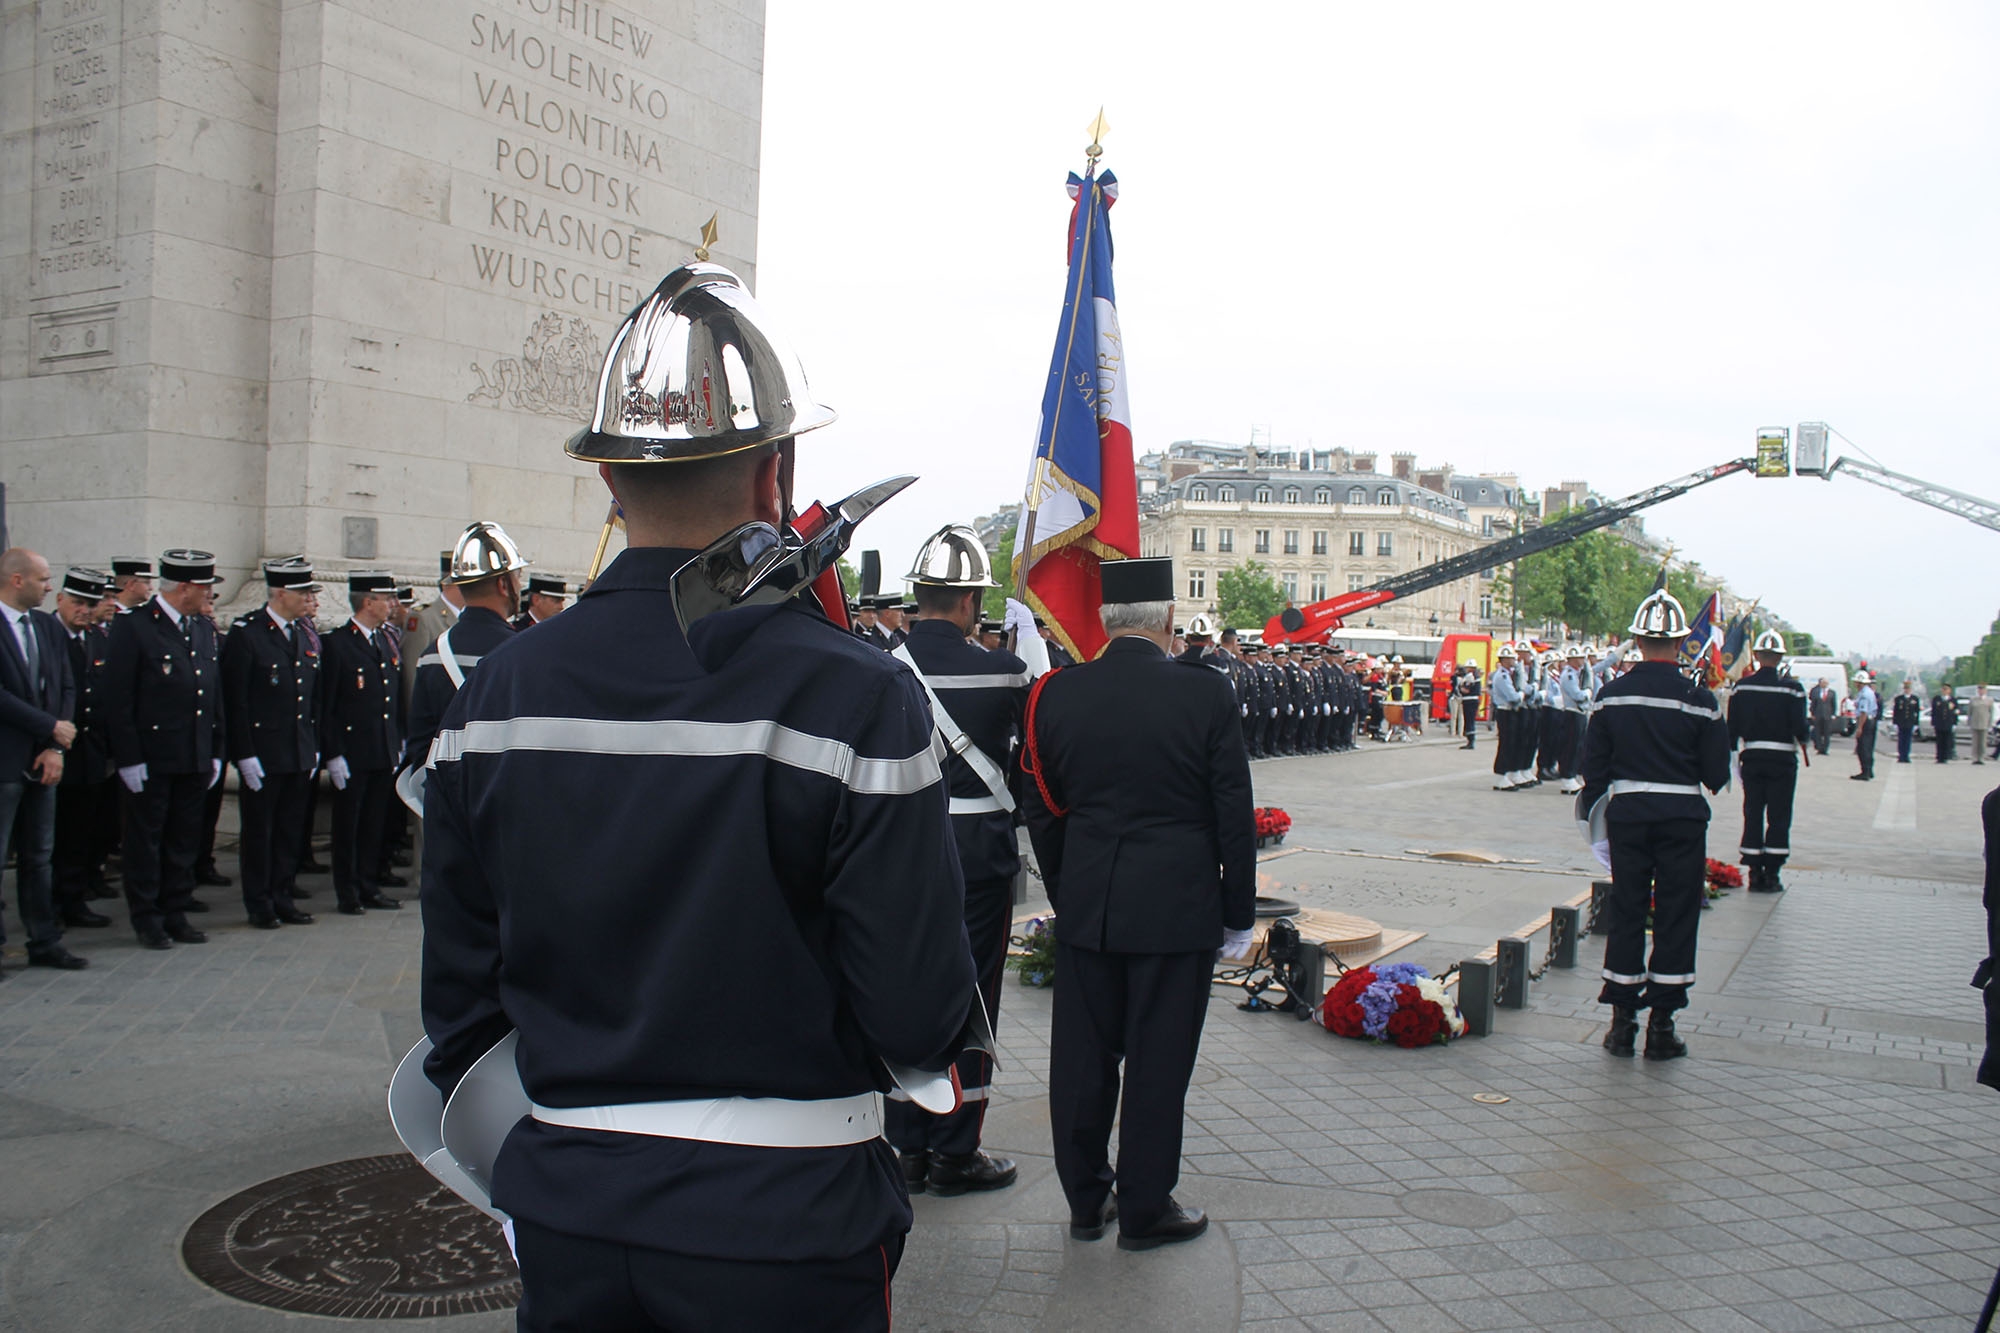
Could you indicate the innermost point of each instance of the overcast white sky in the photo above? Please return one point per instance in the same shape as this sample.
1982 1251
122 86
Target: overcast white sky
1591 241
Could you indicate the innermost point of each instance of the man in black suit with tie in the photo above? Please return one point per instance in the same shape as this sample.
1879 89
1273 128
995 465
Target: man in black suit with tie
37 701
1138 801
270 685
87 798
361 737
163 711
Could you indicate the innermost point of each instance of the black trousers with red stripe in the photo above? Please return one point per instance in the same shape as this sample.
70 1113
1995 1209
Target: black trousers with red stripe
989 911
572 1284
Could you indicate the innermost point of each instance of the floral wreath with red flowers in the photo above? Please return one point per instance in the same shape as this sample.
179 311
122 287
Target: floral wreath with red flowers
1393 1002
1272 824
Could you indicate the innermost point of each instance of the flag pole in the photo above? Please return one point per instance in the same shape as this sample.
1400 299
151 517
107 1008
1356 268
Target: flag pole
1038 478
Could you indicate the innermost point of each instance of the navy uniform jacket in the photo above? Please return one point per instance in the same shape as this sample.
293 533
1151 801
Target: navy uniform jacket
1655 727
1156 852
1906 710
1059 655
874 635
984 691
476 633
30 708
270 682
1767 720
763 795
163 692
361 704
89 759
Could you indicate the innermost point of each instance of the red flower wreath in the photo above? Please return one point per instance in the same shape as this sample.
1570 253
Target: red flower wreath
1416 1022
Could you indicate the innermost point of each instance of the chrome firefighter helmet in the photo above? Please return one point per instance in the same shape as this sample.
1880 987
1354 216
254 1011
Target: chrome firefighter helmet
952 558
696 371
1198 627
1660 617
1863 678
1506 653
481 551
1770 641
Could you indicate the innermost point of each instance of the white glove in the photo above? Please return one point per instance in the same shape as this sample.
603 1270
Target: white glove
1237 943
134 778
1602 851
252 773
336 768
1029 645
1274 712
215 772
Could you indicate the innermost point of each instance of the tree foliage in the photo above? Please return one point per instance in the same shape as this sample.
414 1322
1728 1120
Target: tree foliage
850 577
1003 574
1247 596
1981 666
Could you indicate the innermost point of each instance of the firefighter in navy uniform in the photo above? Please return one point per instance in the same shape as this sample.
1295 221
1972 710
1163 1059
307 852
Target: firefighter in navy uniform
546 596
733 781
1768 727
976 700
1656 742
87 799
1262 698
361 738
270 687
483 570
1138 801
163 714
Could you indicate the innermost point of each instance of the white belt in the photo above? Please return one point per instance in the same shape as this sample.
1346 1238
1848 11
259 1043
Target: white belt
1623 787
1784 746
758 1122
977 805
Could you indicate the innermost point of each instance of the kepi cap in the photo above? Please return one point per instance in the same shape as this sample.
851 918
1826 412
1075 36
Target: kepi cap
87 585
187 565
131 566
291 575
1144 580
371 580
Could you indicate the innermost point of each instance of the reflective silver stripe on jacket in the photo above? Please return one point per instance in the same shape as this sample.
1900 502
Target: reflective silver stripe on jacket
677 736
999 681
977 805
432 659
1770 689
1648 701
758 1122
1626 787
1786 746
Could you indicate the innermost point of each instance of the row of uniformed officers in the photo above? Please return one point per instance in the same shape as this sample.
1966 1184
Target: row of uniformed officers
147 701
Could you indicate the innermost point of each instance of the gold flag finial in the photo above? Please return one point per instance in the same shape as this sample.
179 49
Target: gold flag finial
708 235
1098 129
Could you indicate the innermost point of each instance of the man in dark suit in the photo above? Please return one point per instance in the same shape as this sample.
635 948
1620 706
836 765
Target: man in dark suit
270 686
547 595
87 797
361 737
1139 806
1821 708
163 710
37 700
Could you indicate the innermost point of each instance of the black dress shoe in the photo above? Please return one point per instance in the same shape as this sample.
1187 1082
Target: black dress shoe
196 905
352 909
974 1171
298 893
57 957
264 922
1175 1225
155 939
100 890
186 934
391 880
309 866
1622 1037
208 877
381 902
1662 1043
1093 1228
84 919
292 916
916 1169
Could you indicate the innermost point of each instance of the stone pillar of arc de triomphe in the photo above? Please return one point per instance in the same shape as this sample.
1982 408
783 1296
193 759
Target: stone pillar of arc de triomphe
335 276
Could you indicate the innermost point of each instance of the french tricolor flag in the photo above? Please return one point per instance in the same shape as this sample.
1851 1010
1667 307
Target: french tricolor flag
1082 500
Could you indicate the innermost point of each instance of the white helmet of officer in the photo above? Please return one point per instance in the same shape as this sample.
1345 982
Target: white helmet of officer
1770 641
1659 617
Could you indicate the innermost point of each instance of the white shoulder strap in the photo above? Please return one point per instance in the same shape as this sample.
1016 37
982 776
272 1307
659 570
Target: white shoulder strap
955 738
449 661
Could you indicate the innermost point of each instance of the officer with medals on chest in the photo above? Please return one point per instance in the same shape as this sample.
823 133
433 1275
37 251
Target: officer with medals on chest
976 697
483 570
1769 729
361 737
163 711
271 687
87 799
1657 741
1138 801
739 779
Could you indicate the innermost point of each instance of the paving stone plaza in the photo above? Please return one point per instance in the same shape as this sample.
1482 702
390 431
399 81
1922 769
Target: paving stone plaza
1823 1160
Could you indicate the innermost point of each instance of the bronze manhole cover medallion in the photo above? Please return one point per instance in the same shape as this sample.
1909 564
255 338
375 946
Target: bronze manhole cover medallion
370 1238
